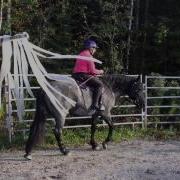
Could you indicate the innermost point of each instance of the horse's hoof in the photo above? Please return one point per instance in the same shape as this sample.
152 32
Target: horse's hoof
96 148
28 157
104 145
67 153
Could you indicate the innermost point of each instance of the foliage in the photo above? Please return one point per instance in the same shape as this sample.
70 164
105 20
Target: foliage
156 39
79 137
3 133
61 26
2 115
106 22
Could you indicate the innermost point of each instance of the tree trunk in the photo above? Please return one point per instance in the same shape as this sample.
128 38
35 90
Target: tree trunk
145 34
1 13
9 17
146 13
129 36
137 14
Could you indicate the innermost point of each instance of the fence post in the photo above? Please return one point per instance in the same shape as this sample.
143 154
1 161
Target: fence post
9 118
145 107
142 110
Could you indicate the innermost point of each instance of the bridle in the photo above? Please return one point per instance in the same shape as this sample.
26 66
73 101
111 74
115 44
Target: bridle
133 91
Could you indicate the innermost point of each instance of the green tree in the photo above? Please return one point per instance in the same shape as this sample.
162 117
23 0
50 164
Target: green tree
156 38
106 22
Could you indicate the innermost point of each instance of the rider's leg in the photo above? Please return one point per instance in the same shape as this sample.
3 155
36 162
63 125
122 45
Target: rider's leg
97 86
96 96
97 92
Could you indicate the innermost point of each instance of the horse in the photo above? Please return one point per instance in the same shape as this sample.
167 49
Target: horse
115 86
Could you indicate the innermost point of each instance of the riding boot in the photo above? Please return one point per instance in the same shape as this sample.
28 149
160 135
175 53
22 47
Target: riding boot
92 110
95 103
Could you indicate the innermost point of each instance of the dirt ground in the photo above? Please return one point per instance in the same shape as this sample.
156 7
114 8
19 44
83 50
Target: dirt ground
133 160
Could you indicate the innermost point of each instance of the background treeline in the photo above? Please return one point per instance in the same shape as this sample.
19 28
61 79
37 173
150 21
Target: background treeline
135 36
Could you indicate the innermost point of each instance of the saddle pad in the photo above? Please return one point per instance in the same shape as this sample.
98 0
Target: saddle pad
64 78
59 77
84 92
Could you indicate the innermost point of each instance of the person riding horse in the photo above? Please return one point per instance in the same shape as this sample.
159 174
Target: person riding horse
85 71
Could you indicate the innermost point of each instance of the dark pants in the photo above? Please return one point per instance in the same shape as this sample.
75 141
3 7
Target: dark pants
94 83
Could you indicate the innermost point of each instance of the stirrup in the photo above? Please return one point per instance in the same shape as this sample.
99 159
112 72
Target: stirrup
92 110
101 107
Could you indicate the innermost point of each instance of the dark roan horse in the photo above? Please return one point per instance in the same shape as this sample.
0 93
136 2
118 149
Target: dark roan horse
115 86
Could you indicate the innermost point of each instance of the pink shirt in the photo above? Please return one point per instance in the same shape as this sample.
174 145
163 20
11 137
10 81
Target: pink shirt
84 65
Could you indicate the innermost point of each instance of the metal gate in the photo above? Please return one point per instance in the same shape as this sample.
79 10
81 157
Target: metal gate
162 105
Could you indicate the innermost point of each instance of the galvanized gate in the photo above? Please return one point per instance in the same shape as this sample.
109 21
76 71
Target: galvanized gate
162 100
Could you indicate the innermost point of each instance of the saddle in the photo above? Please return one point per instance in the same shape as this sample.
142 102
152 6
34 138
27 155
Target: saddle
84 90
82 85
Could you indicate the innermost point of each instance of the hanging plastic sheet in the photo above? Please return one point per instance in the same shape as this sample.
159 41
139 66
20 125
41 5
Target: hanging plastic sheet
17 50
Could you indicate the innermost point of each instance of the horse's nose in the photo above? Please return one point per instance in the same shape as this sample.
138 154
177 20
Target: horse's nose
140 103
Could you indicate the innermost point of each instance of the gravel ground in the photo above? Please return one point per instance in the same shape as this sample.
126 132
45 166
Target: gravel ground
130 160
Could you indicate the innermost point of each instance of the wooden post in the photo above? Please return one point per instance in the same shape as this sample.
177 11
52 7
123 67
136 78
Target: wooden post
9 118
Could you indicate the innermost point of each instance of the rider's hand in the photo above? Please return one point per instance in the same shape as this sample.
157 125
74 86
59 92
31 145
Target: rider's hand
101 72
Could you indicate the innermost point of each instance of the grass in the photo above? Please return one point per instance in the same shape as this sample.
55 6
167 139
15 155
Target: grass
80 137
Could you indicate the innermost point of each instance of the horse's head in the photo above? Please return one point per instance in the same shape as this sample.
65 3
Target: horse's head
135 92
126 85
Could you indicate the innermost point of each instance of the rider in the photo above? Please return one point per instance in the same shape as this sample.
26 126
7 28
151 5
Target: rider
85 71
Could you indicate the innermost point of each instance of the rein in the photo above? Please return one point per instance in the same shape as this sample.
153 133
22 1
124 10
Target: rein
83 83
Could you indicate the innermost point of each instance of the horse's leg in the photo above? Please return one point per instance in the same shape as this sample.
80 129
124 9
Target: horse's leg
93 130
58 134
108 120
36 128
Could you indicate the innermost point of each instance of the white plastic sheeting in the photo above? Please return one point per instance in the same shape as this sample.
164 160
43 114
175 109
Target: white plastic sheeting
23 56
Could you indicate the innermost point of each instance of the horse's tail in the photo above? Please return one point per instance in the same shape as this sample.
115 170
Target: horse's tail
37 128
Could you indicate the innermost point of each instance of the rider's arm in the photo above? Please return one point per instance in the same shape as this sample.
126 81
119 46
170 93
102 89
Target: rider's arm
93 70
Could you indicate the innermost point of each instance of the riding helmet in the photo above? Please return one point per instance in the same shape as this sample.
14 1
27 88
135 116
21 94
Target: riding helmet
90 44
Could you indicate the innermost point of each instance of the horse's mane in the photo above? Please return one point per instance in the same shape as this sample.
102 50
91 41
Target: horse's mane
117 82
122 85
